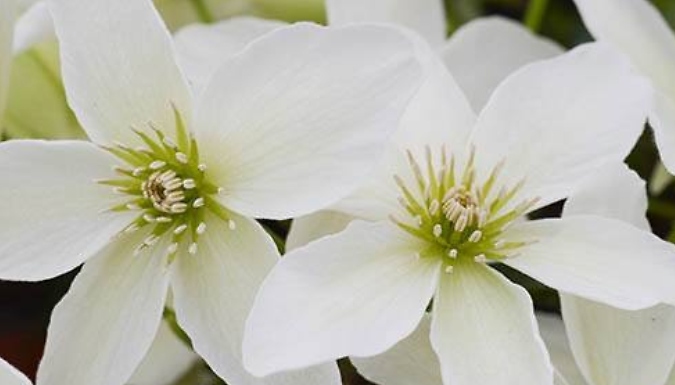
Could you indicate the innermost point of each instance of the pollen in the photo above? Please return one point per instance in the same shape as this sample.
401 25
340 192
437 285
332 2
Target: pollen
459 215
168 187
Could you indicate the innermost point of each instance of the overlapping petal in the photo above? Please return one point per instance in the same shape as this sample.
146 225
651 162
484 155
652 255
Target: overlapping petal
355 293
621 265
485 51
411 361
103 327
214 291
119 68
612 346
484 330
33 27
314 226
637 29
299 119
53 215
168 359
202 49
10 376
583 109
424 16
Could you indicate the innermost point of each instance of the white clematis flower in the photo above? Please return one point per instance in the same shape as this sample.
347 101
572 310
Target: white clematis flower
11 376
445 204
612 346
165 195
636 28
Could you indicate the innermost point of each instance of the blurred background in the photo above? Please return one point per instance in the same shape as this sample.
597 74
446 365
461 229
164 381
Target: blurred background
25 308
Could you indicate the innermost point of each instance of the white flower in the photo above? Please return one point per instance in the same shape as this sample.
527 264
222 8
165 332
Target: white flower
636 28
451 199
612 346
10 376
165 195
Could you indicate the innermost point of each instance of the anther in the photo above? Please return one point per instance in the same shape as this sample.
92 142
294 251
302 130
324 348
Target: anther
449 269
475 236
197 203
189 184
148 218
172 248
201 167
157 164
453 253
151 240
179 229
462 222
192 249
181 158
480 258
179 208
163 219
438 230
201 228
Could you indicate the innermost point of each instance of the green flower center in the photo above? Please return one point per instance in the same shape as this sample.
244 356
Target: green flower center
462 218
168 187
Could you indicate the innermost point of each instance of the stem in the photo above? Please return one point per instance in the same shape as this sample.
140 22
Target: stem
203 11
535 14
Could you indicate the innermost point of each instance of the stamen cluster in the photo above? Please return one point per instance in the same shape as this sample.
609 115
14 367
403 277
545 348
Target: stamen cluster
457 214
167 186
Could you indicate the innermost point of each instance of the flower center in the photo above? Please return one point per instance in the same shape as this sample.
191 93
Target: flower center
460 216
168 187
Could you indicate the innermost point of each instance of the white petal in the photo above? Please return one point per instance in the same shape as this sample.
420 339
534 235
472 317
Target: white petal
601 259
485 51
35 26
484 330
8 374
214 291
8 13
299 139
614 191
315 226
118 67
202 49
427 17
552 330
662 120
614 347
584 109
439 114
52 210
168 359
105 324
411 361
355 293
636 28
376 200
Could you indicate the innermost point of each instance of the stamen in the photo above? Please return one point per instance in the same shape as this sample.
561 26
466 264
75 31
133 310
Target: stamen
438 230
